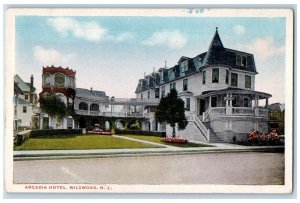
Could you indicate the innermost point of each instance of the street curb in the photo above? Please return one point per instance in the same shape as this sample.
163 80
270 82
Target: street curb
140 154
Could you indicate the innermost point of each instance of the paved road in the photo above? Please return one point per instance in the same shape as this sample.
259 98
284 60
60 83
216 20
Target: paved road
219 168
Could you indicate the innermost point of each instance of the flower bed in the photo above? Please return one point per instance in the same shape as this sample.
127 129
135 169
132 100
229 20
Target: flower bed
174 140
99 132
257 138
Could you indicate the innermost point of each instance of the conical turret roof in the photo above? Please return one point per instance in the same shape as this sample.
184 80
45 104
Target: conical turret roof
213 53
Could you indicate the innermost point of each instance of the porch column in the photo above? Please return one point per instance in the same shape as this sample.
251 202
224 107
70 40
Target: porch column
209 102
267 103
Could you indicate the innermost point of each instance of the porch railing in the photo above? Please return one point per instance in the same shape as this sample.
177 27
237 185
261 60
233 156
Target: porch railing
217 110
242 111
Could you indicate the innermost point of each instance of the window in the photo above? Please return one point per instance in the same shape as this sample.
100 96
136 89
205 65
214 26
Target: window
141 95
173 86
234 79
227 77
47 80
215 75
241 60
59 80
24 109
248 81
156 92
83 106
148 94
163 91
203 77
185 84
94 107
184 66
26 97
188 104
161 75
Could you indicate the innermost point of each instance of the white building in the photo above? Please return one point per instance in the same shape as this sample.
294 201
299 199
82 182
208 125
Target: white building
25 100
218 87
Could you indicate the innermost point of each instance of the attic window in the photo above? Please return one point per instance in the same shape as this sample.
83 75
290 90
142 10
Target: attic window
184 66
241 60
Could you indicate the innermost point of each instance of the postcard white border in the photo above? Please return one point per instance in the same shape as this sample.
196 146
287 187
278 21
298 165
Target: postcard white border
199 188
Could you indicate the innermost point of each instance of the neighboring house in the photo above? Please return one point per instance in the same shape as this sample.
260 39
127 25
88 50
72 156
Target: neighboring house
218 88
25 101
17 92
62 82
276 117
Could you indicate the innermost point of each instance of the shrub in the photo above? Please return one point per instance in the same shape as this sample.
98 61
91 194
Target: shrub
43 133
21 137
141 132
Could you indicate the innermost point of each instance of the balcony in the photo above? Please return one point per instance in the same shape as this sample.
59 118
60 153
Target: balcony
108 114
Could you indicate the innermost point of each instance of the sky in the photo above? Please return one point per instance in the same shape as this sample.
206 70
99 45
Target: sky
111 53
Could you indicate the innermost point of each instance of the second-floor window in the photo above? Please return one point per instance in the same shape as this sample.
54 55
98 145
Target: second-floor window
24 109
148 94
163 91
173 86
185 85
248 81
234 79
227 77
204 77
215 75
156 92
141 95
26 97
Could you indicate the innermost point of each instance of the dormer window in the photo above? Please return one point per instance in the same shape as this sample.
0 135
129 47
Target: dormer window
241 60
184 66
161 75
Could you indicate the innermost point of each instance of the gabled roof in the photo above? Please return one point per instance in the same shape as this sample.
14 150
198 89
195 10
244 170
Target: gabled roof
22 85
17 89
81 92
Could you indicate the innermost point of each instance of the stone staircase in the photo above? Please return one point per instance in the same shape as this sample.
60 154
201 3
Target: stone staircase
213 138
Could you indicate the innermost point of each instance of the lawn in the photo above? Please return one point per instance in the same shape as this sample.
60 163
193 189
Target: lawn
159 141
69 142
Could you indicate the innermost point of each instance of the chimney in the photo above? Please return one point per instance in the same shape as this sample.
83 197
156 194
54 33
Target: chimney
31 89
91 89
31 83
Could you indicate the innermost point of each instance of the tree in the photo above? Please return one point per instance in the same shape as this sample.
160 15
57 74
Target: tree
171 111
53 106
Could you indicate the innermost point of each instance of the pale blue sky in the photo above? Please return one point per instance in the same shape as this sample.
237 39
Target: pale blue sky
112 53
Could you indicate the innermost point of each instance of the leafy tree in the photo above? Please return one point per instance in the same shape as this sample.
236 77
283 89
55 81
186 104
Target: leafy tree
171 110
53 106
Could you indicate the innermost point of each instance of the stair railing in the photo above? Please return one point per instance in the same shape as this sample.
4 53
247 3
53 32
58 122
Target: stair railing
202 128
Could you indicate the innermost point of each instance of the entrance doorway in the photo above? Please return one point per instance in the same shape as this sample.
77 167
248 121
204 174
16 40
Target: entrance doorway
202 106
81 122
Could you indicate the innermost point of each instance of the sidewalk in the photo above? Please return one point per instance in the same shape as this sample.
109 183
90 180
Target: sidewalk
164 150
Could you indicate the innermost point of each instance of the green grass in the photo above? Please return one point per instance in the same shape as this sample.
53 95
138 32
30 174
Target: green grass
159 141
80 142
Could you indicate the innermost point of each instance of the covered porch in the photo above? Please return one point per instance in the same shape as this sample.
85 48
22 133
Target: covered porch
231 102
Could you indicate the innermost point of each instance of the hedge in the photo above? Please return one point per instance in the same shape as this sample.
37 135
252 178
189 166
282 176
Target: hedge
141 132
43 133
25 135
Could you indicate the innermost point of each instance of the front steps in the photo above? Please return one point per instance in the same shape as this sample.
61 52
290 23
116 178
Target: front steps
213 138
